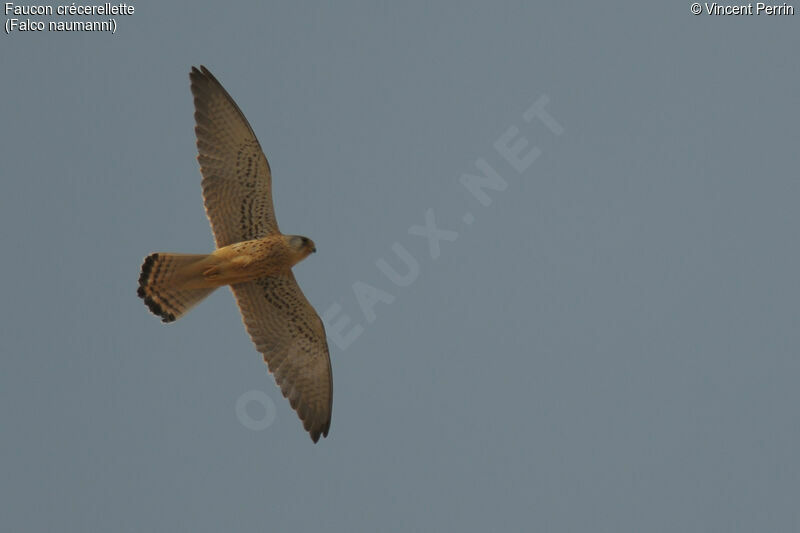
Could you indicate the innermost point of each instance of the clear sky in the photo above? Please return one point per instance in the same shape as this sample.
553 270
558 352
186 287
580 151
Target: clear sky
605 338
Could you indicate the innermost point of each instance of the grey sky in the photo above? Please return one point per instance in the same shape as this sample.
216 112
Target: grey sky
611 345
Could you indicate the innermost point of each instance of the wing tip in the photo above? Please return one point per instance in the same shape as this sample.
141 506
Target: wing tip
201 71
315 433
202 74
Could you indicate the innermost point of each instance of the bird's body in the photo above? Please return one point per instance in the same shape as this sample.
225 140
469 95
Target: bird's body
243 261
252 256
165 273
248 260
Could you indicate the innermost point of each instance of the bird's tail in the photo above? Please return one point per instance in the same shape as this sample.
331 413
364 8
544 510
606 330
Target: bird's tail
171 284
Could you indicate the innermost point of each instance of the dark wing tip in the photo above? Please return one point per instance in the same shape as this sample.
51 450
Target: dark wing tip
311 422
316 428
204 86
315 422
196 76
199 71
318 431
202 76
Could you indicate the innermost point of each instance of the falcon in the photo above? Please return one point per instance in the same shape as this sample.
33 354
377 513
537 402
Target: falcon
252 256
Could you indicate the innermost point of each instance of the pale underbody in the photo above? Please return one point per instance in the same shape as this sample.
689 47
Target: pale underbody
243 261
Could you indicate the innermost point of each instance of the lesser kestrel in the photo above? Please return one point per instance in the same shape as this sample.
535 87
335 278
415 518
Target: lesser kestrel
252 256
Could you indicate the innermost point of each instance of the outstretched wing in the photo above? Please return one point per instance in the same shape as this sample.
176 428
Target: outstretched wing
290 335
237 183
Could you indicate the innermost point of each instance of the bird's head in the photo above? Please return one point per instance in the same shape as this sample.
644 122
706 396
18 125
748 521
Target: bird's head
301 246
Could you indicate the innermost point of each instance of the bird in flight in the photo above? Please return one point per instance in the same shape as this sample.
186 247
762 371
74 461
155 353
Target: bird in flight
252 256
